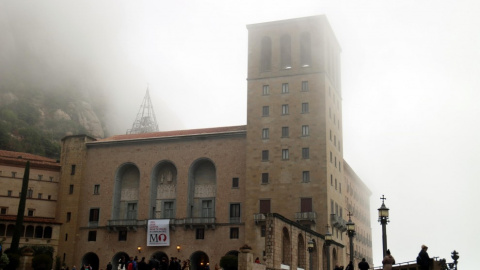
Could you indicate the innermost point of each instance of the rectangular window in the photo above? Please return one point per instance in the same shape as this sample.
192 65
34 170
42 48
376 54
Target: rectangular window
263 231
40 177
305 107
265 133
92 236
336 184
29 193
96 189
331 157
305 176
72 171
69 216
234 213
14 174
264 206
51 178
30 212
284 154
264 178
207 208
39 196
235 183
266 90
331 180
3 210
122 236
9 193
66 237
306 205
339 166
284 109
306 153
340 187
285 88
70 190
49 197
131 210
285 132
168 209
265 111
305 86
335 140
94 215
264 155
234 233
200 233
305 130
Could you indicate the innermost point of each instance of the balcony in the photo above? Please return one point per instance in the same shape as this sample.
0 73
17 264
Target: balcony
306 217
207 222
259 218
338 222
129 224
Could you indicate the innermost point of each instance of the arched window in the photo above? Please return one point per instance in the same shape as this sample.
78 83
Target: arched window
38 232
285 52
305 49
286 249
125 200
47 233
202 189
29 231
163 193
266 54
301 255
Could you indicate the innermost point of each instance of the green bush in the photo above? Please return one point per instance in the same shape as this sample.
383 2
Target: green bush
229 262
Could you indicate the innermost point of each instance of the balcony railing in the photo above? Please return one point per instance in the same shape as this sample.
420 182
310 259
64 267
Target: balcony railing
259 217
338 222
129 224
306 216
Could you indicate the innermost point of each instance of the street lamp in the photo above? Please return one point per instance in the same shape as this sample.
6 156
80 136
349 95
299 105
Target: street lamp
311 247
350 233
383 219
455 258
328 241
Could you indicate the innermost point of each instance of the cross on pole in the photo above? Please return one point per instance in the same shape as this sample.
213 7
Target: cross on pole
383 198
350 214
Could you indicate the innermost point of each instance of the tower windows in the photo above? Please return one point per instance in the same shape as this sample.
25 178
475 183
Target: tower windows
305 107
285 132
266 54
305 176
285 154
265 110
306 153
284 109
304 86
305 130
305 49
264 178
264 155
265 133
266 90
285 52
285 88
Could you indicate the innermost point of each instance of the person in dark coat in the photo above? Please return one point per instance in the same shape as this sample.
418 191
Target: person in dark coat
424 258
350 266
363 265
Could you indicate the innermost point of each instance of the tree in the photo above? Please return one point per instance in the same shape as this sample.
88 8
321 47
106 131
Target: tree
21 211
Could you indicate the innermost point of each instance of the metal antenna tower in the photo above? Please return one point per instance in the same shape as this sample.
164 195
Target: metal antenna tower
145 121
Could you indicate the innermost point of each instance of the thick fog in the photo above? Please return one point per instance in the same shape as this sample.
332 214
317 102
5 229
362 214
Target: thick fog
410 82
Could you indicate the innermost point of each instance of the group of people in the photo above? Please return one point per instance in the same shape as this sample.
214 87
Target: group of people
363 265
423 260
153 264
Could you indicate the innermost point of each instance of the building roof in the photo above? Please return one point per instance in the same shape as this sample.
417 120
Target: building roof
20 159
173 134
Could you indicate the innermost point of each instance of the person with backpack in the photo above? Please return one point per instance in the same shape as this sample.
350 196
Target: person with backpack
363 265
423 260
388 261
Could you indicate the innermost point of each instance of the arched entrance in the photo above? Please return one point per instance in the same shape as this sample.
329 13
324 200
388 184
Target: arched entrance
91 259
119 258
199 261
160 259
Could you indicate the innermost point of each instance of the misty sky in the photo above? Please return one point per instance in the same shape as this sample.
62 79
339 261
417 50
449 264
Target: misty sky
410 81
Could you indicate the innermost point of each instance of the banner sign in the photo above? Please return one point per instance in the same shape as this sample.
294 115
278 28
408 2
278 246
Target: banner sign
158 232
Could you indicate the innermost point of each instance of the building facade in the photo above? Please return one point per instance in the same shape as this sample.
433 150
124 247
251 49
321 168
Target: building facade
40 226
276 184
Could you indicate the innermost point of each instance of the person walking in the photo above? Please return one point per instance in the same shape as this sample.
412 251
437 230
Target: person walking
363 265
423 260
388 261
350 266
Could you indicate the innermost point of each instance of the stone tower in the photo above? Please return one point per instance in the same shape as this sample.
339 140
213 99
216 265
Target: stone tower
294 126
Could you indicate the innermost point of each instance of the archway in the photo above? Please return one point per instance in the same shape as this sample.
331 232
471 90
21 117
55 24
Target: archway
92 260
120 258
199 261
160 260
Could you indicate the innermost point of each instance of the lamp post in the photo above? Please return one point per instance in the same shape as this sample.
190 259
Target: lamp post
383 219
311 247
328 241
350 233
455 258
